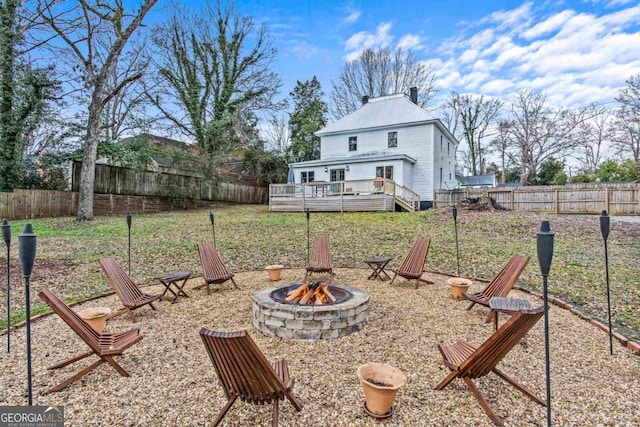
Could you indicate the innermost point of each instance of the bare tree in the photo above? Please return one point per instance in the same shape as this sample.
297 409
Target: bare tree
502 143
626 136
276 133
592 135
91 36
213 67
125 112
540 132
377 73
469 117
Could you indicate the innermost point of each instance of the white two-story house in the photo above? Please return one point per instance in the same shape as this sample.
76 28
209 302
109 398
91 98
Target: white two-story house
389 137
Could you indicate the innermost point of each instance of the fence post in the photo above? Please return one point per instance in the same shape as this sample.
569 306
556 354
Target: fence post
557 201
606 199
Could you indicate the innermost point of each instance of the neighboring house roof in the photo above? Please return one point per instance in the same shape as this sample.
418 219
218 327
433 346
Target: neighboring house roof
478 180
383 111
360 158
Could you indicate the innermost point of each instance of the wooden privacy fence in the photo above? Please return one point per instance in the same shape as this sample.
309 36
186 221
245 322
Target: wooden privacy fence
26 204
617 199
118 180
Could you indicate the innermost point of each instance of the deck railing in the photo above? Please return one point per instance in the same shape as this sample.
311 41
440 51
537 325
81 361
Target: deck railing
315 190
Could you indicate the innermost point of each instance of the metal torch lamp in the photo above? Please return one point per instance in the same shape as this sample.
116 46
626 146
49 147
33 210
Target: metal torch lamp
213 227
27 255
129 227
6 235
545 256
308 213
454 211
604 229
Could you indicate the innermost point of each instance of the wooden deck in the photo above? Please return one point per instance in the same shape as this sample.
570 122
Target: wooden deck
342 196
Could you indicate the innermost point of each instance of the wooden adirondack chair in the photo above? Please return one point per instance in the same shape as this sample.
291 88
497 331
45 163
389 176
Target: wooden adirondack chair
105 345
320 258
213 269
468 363
245 373
413 265
129 294
500 285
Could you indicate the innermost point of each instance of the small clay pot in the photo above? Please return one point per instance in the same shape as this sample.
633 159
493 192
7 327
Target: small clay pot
96 317
459 285
380 394
274 271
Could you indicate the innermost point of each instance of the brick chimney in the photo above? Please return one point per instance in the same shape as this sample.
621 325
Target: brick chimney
413 95
365 99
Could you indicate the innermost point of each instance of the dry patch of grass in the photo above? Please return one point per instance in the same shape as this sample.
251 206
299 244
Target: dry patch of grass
249 238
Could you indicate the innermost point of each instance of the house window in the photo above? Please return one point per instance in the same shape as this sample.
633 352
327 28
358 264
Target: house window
448 148
440 177
392 139
384 172
337 175
440 142
307 176
353 143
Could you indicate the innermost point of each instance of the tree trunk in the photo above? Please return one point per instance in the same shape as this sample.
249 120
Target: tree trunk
88 170
9 134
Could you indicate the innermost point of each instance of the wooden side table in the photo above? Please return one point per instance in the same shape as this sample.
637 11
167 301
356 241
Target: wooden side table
378 264
174 279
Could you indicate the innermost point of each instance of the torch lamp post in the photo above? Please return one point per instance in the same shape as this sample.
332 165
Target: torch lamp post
6 235
604 229
454 211
129 227
308 213
545 255
213 227
27 255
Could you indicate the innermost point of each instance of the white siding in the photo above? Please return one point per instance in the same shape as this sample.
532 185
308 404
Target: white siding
415 141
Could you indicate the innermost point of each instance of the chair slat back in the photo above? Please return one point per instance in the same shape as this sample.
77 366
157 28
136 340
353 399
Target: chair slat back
494 349
413 263
213 268
320 256
71 318
120 281
501 284
242 368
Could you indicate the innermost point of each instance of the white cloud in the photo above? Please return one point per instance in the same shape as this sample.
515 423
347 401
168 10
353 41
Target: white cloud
365 40
614 3
576 57
410 41
550 25
510 18
352 17
303 50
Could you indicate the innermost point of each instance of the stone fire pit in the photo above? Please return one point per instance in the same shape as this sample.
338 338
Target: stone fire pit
276 318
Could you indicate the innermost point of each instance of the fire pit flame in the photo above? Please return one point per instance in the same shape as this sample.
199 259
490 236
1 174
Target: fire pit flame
311 294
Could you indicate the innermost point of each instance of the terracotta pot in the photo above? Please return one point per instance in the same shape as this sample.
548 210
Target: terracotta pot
459 285
96 317
379 396
274 271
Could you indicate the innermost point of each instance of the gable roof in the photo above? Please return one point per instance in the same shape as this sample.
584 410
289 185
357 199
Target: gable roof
391 110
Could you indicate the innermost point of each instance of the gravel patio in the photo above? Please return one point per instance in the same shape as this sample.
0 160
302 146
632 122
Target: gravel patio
173 383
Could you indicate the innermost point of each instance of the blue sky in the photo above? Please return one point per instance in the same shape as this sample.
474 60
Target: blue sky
577 51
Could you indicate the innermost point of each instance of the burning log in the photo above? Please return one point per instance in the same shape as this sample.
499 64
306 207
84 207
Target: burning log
312 294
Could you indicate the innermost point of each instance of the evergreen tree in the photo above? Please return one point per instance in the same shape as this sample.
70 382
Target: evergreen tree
309 116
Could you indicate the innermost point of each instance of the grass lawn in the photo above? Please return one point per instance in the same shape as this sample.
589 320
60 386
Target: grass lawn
248 237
